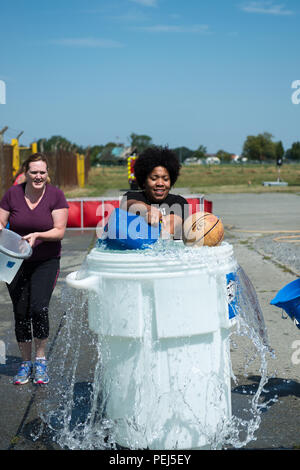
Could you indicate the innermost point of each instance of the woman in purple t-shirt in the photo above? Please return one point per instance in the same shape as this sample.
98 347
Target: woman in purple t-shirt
38 212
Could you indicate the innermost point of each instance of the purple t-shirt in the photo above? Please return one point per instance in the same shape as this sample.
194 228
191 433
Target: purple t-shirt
24 220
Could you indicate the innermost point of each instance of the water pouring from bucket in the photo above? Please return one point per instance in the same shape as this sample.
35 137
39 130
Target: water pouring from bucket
13 251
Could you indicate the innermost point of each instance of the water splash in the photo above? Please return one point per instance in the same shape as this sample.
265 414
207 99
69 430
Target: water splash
75 406
250 325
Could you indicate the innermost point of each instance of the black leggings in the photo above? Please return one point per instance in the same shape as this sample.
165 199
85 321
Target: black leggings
30 292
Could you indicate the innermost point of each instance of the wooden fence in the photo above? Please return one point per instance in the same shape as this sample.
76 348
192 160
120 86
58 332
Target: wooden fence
6 169
68 169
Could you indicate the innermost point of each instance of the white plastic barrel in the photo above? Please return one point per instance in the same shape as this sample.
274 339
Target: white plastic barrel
13 251
163 324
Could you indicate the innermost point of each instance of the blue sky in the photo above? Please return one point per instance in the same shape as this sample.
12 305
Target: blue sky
185 72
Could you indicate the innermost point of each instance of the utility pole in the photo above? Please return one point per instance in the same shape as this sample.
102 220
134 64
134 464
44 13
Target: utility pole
2 162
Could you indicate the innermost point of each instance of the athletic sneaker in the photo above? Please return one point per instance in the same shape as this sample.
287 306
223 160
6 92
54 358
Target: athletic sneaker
24 373
40 372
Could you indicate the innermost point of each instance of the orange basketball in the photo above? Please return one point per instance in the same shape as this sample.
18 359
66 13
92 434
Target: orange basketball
203 228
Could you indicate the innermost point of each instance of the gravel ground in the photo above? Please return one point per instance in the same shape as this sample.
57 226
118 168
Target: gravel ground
283 249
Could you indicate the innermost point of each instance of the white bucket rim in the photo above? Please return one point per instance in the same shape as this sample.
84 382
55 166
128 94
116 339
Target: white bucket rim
136 263
13 254
193 254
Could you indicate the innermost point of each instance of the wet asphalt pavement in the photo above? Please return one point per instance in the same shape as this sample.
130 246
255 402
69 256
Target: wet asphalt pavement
265 233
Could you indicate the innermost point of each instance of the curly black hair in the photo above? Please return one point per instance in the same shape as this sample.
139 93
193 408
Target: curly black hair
151 158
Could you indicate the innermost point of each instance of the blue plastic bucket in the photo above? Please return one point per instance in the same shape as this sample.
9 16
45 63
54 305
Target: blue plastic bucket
126 231
288 298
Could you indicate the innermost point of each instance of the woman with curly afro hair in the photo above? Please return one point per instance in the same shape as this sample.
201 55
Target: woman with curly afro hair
156 171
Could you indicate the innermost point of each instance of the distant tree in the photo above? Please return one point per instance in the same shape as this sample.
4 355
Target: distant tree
106 155
251 148
279 150
293 153
224 156
200 152
95 153
260 147
183 153
140 142
55 142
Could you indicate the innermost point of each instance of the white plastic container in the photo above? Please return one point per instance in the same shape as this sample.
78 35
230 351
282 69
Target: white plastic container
13 251
163 325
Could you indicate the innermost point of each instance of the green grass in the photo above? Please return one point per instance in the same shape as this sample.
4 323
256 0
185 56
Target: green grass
200 179
238 178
